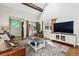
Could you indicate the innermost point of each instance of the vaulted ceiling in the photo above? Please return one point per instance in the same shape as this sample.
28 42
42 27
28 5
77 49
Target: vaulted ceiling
26 9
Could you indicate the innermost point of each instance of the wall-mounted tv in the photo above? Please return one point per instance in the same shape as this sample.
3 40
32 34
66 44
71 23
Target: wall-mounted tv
65 27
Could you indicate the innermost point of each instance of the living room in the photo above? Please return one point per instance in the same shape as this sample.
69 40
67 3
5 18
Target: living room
19 20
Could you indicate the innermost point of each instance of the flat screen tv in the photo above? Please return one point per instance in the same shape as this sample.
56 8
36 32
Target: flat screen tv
65 27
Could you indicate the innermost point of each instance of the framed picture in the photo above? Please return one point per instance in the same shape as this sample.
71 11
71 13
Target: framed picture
47 27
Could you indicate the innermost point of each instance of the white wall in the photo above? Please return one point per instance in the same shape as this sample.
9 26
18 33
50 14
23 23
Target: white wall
6 11
63 12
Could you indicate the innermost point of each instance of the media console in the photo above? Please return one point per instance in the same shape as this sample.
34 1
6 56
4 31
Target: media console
61 37
60 31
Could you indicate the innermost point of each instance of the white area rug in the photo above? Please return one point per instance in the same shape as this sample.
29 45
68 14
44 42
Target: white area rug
49 50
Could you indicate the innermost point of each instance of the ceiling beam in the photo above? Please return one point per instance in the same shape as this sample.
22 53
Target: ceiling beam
33 6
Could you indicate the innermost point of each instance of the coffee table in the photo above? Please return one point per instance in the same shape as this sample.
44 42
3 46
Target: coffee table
37 44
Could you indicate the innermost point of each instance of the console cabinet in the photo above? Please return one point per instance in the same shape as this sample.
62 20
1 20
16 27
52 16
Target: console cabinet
62 37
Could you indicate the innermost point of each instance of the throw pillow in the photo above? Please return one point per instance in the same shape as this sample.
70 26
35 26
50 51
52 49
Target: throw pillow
4 36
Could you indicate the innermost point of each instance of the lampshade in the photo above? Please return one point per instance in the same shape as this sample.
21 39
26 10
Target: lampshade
1 31
5 28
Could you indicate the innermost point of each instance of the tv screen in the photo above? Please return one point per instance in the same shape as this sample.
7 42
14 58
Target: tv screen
66 27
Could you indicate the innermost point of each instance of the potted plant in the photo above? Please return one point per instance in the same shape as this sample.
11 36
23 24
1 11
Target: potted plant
37 28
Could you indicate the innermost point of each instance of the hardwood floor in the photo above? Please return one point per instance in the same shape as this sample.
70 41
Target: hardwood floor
72 51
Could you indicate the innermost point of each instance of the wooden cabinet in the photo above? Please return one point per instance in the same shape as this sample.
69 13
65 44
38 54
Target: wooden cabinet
14 52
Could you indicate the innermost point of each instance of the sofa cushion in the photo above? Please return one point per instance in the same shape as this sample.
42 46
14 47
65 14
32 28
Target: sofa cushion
4 37
3 46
